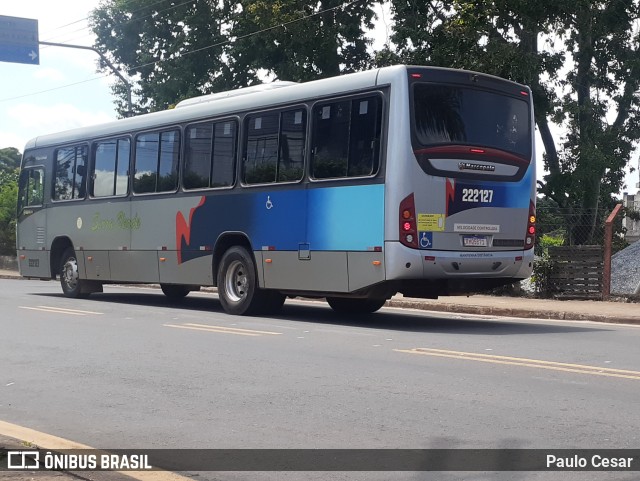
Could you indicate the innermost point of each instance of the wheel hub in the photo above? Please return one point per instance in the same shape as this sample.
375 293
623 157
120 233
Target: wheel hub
70 273
236 281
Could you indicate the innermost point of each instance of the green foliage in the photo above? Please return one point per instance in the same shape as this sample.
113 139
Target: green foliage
260 173
543 265
9 165
9 159
179 50
550 222
597 101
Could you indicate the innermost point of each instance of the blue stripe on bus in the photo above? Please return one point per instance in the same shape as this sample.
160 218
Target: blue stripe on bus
346 218
328 219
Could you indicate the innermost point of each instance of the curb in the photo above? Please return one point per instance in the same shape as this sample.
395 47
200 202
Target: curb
511 312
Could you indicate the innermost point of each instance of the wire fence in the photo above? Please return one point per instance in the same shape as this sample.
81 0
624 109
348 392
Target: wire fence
582 232
570 227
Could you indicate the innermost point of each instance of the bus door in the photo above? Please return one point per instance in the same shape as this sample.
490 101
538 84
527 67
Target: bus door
32 224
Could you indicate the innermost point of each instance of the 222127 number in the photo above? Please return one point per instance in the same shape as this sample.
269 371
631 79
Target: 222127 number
477 195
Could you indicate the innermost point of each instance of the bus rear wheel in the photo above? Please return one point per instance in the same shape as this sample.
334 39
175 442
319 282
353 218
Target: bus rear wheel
344 305
273 303
238 288
72 285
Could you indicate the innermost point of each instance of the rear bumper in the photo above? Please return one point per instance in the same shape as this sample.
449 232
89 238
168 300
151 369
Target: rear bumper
404 263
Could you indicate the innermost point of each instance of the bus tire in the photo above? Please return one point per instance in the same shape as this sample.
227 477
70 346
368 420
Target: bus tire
345 305
238 288
274 302
72 285
175 291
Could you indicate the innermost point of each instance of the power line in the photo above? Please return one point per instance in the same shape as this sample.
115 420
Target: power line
242 37
86 27
184 54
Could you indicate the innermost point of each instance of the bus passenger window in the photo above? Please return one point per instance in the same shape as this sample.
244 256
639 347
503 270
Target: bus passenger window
261 148
365 134
122 169
224 154
156 164
71 173
210 155
274 150
291 149
110 168
197 162
345 138
169 158
147 149
330 150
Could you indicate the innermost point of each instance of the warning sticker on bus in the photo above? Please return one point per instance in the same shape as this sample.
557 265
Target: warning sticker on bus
431 222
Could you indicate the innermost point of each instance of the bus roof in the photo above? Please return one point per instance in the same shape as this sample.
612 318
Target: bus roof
230 102
255 100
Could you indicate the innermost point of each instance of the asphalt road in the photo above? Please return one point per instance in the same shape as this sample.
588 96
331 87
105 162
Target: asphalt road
129 369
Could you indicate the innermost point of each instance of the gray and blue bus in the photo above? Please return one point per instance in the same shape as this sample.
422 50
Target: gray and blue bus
404 179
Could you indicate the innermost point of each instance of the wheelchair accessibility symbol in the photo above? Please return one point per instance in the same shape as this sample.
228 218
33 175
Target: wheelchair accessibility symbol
269 204
426 240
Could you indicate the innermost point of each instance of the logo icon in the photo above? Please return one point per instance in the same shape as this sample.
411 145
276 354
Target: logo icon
473 166
23 460
426 240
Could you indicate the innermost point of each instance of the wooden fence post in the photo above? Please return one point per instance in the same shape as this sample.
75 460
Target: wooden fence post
608 236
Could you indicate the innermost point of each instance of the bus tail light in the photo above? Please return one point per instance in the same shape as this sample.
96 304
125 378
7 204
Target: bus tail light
530 237
407 219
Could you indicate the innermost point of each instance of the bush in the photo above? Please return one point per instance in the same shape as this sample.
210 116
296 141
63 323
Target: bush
543 265
8 196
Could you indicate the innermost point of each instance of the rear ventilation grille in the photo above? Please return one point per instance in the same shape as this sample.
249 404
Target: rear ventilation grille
508 243
40 235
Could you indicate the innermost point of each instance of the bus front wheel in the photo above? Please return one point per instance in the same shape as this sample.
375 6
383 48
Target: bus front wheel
238 288
69 276
345 305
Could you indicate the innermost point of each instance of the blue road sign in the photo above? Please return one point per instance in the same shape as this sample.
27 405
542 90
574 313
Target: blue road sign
19 40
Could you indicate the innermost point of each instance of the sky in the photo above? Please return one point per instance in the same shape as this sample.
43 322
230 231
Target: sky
39 99
66 92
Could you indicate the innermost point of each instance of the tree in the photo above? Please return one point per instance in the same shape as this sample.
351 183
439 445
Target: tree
332 38
177 50
9 159
582 61
9 165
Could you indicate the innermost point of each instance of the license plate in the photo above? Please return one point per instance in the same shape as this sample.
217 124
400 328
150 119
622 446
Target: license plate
475 241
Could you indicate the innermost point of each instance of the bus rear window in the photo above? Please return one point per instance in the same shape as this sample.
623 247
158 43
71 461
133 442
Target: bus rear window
445 114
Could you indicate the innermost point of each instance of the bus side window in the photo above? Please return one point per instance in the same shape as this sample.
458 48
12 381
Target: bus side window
30 188
274 148
224 154
210 155
365 131
330 151
169 159
293 127
156 164
197 162
345 138
261 148
110 168
36 187
71 173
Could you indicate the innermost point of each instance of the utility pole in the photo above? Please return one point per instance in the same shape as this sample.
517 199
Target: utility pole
106 61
